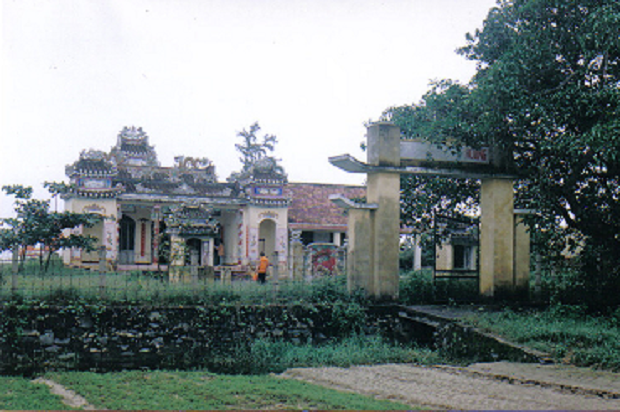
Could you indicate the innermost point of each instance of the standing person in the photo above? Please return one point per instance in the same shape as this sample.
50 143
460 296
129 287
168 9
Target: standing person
263 264
221 252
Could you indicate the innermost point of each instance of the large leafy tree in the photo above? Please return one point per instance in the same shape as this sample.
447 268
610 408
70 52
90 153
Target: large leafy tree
34 224
546 96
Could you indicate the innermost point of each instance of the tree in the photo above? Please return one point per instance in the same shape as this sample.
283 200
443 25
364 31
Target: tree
255 153
35 225
251 149
546 96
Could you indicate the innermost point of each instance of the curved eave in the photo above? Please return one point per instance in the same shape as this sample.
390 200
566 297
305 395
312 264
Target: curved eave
159 198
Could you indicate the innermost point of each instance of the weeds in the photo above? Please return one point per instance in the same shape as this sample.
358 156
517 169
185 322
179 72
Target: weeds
271 356
63 284
567 332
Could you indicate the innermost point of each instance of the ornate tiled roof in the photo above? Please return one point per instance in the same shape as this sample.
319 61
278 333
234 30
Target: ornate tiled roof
311 209
93 175
132 148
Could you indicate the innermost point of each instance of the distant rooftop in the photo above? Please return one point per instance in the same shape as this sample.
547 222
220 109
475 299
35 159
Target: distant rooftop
311 209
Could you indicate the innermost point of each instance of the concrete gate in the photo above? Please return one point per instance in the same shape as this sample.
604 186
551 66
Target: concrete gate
374 226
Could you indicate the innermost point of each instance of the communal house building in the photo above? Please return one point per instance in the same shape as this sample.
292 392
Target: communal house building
153 213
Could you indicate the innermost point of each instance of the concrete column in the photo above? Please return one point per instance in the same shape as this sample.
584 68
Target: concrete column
384 189
521 258
497 237
177 257
360 247
417 253
337 239
177 251
297 259
207 252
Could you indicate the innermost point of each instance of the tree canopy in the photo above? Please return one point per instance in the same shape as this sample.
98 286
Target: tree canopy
546 97
34 224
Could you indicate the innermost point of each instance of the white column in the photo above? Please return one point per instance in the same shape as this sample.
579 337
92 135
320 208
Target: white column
337 239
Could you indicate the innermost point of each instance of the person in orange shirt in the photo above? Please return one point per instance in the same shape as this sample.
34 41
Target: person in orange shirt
263 264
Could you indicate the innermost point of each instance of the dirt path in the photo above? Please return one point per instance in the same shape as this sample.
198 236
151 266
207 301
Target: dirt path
499 385
69 397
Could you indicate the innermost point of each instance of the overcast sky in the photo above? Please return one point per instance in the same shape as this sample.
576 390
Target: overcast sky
193 73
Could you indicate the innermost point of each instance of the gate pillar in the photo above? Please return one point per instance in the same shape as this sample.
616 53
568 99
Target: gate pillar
374 226
496 237
383 189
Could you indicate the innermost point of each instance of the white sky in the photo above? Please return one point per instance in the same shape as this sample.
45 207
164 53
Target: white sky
192 73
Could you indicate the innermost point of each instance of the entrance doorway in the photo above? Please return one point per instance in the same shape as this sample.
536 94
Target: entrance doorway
267 237
127 239
193 246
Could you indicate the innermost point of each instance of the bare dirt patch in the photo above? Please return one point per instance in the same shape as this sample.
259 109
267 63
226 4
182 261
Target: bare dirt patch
499 385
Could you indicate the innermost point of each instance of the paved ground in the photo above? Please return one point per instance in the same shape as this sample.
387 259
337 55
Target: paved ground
501 385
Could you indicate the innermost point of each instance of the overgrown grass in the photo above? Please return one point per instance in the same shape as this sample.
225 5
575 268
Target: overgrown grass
63 284
564 331
159 390
18 393
267 356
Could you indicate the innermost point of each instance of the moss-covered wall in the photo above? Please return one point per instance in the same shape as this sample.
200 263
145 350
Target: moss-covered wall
90 337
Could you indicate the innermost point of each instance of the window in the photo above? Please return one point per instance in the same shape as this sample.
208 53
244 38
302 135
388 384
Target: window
462 256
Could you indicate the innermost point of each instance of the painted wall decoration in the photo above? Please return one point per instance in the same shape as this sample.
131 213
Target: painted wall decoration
268 215
323 258
282 242
267 191
110 236
94 208
253 238
425 151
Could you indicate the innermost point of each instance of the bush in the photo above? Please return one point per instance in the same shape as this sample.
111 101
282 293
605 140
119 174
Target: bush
416 287
419 287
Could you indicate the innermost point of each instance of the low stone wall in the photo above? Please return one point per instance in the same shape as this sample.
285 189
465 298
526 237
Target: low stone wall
89 337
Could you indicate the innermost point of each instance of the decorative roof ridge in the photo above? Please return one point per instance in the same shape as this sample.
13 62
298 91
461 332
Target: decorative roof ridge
326 184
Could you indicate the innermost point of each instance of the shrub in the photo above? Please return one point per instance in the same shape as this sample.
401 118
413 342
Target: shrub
419 287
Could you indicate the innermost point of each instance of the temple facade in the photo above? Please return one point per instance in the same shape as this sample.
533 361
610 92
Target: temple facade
155 216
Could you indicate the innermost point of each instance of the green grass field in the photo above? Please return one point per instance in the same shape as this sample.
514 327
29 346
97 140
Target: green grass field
18 393
165 390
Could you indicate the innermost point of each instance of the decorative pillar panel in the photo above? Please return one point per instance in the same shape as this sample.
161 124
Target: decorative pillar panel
281 243
110 239
240 239
253 243
155 216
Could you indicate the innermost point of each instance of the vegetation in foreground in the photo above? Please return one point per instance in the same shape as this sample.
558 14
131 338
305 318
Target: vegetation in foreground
266 356
18 393
160 390
564 331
